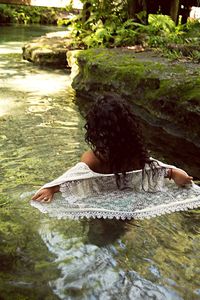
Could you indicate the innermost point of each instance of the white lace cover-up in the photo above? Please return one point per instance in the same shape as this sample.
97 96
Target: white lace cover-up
85 193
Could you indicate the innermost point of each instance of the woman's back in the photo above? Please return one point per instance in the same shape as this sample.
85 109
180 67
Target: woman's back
101 166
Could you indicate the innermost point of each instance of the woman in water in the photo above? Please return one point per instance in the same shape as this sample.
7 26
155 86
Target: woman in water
116 143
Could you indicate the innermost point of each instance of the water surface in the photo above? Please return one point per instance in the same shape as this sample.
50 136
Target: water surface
42 258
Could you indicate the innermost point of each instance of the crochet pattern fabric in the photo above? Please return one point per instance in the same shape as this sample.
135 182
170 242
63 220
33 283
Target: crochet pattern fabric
85 193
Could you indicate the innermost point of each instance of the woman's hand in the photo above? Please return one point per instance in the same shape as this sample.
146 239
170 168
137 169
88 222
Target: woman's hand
46 195
180 177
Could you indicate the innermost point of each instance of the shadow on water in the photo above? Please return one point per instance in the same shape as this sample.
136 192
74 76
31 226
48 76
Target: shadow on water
105 232
44 258
173 149
164 141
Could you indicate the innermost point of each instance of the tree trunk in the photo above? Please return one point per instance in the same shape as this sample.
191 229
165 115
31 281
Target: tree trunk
136 6
174 9
132 8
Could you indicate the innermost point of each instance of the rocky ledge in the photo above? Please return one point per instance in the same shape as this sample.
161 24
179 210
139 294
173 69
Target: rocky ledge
165 96
49 50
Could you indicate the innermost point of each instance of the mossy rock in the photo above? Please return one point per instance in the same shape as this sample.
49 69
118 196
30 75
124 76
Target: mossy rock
49 50
188 50
167 90
166 94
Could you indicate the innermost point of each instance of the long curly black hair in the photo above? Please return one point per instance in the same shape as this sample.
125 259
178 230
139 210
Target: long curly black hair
114 134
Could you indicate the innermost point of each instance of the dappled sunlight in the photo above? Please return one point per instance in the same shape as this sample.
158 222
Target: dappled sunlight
77 4
40 84
6 71
7 105
40 136
5 50
10 47
61 125
57 3
38 105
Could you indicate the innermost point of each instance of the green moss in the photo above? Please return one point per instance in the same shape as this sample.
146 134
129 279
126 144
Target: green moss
126 68
164 89
193 94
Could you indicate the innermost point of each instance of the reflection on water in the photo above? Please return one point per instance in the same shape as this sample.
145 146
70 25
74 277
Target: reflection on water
41 258
92 272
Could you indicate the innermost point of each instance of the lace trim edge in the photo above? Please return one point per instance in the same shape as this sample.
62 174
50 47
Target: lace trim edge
138 215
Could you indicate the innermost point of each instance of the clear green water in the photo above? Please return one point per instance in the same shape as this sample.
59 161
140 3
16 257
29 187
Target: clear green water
41 258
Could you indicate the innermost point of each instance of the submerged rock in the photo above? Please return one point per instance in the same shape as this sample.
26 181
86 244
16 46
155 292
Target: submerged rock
165 96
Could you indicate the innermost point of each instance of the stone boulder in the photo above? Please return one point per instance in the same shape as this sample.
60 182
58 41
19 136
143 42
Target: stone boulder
49 50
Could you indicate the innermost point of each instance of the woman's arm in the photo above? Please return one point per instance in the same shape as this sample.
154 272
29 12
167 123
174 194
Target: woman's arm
179 176
46 194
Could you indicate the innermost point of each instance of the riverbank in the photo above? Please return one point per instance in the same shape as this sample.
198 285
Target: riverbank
164 93
167 90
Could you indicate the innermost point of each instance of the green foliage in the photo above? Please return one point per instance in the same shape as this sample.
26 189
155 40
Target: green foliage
99 23
196 55
161 24
107 24
28 14
160 32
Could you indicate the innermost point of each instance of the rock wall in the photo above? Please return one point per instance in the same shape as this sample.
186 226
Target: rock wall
165 95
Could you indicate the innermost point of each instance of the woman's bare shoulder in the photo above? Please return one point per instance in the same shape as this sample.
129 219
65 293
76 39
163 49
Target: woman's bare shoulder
90 159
